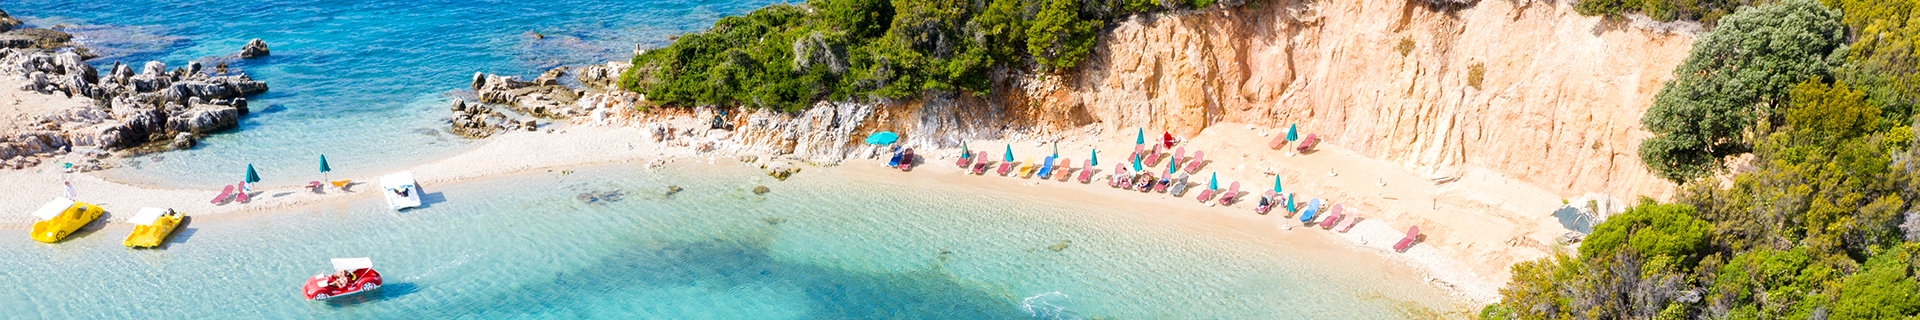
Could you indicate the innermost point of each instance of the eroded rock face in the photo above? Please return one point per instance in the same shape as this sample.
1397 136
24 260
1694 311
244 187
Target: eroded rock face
544 97
254 49
604 75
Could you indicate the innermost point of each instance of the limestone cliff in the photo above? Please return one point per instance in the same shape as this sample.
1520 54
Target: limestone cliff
1556 100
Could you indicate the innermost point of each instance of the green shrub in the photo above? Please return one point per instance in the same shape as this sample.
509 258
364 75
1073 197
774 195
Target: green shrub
1476 73
1406 46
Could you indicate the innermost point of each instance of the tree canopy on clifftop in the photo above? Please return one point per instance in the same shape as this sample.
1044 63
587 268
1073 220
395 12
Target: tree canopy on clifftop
786 57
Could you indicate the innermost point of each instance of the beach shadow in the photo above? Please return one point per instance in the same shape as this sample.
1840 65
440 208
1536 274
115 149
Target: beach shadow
1417 240
385 292
282 194
429 199
1309 151
181 234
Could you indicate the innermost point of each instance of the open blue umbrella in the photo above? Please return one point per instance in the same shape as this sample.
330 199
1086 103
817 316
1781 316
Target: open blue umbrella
883 137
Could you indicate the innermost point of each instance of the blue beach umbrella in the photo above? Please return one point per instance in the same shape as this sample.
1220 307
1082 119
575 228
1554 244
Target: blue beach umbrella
1276 184
1290 203
1136 163
1214 182
963 151
1009 153
883 137
1171 168
1293 132
324 168
1140 137
1094 156
251 175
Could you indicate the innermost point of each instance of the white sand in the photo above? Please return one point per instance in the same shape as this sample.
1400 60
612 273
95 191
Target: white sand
1471 225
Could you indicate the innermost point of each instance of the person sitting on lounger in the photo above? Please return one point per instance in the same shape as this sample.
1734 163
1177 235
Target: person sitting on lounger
400 191
339 279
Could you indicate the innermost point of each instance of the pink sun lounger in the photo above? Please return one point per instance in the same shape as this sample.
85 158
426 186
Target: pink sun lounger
1178 153
224 193
241 196
1351 220
980 167
1307 143
1413 233
1086 171
1279 141
1006 167
1193 165
1153 155
1333 217
1065 170
1116 179
1206 195
1271 201
1231 192
965 159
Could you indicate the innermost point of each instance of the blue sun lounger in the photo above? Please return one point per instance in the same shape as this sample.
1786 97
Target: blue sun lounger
1312 206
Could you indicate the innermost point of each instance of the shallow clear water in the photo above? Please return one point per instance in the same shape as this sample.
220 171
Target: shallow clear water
358 81
819 246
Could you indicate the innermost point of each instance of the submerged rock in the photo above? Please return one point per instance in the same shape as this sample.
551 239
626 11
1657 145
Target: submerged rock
254 49
1057 247
760 190
672 190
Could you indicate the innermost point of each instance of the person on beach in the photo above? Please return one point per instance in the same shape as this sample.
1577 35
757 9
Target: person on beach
68 192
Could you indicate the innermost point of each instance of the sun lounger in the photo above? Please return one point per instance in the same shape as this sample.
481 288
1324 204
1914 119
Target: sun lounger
1352 218
1086 171
1138 149
341 183
1267 201
1307 143
1174 160
1206 195
895 161
980 163
1413 234
906 161
224 193
1065 171
1152 155
1179 186
1114 180
965 159
1006 167
1233 191
1193 165
241 196
1313 206
1279 141
1144 182
1161 186
1333 217
1046 168
1027 168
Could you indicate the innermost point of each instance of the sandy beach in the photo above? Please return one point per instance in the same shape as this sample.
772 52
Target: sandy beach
1475 227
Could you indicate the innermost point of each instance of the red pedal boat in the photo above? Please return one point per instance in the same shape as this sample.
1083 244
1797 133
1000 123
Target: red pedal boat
351 275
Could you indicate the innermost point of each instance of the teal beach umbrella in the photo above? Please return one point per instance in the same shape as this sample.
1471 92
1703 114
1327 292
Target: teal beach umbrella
1094 156
1290 203
1293 132
1276 184
324 168
883 137
1140 137
1009 153
1056 149
251 175
1214 182
1136 163
1171 168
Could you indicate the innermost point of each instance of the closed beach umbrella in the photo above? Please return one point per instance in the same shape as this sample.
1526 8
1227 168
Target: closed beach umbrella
1290 203
1056 149
251 175
1214 181
1140 137
1293 132
883 137
1136 163
1009 153
1094 156
324 168
1276 184
963 151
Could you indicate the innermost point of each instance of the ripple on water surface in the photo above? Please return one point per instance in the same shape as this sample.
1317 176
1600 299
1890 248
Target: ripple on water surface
605 243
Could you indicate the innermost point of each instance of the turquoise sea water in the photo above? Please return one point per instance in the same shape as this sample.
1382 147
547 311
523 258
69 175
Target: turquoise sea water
820 246
359 81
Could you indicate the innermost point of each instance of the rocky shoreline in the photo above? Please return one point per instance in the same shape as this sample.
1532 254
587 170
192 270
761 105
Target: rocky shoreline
78 108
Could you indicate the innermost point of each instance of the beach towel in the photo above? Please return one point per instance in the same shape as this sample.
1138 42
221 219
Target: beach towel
1333 217
341 183
224 193
1231 192
1193 165
1413 234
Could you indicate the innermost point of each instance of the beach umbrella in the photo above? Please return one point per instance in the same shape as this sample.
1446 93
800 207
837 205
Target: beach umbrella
963 151
1171 167
883 137
1276 184
1167 138
1293 132
1140 137
251 175
1094 156
1056 149
1136 163
1009 153
1214 182
324 168
1290 203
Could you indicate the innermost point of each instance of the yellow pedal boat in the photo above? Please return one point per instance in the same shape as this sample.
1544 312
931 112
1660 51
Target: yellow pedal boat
61 217
151 227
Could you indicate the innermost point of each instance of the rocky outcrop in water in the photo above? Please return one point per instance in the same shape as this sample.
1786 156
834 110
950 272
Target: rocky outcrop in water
119 108
7 22
479 121
603 76
254 49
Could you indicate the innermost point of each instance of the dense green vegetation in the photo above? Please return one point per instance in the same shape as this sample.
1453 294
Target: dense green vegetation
788 56
1822 224
1704 11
